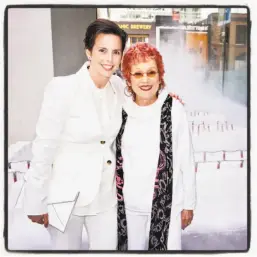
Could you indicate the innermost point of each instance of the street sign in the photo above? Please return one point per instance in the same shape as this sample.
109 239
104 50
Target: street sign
227 15
224 16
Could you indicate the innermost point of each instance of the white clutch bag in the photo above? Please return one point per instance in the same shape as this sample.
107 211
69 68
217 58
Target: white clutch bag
59 211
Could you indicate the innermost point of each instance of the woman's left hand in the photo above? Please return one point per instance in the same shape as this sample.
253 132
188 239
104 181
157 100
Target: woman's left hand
186 218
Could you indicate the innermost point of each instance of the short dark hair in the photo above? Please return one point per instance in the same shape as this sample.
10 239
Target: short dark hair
103 26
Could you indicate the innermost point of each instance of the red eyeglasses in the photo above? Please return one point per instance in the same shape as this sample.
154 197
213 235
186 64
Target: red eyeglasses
140 75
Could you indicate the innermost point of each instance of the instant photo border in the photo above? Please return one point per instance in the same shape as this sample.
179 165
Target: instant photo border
5 232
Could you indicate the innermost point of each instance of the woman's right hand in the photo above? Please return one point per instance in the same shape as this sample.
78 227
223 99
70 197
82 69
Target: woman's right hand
40 219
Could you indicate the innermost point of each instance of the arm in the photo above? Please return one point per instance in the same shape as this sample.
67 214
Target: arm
49 127
187 168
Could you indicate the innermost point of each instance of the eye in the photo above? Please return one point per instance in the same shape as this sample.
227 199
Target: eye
152 73
138 74
102 50
117 52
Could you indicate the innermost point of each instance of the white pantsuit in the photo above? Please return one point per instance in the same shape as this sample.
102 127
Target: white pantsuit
140 151
139 227
74 150
96 227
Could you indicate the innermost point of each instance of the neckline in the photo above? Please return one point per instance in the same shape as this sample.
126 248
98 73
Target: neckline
101 90
135 110
98 90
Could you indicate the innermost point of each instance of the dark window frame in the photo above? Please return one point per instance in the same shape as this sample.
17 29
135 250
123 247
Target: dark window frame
241 34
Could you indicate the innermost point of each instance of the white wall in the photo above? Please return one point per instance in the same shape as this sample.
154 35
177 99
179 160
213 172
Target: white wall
30 68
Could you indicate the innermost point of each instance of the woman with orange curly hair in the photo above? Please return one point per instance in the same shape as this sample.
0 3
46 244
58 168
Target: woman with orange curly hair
155 176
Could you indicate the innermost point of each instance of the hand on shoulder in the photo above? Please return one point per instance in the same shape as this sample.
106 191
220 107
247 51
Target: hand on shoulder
177 97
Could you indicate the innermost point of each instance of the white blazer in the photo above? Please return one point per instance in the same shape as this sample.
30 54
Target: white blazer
71 148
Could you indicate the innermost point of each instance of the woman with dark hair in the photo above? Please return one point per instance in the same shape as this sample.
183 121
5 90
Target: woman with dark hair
74 150
154 158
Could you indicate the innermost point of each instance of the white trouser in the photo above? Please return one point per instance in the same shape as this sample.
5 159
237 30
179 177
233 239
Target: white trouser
138 225
101 230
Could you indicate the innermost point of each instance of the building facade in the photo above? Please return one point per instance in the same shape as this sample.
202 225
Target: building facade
188 15
137 14
228 42
139 23
139 32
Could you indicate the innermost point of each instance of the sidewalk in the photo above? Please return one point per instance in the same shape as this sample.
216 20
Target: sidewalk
234 240
24 235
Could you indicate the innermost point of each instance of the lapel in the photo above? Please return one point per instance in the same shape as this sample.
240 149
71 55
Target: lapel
87 85
115 115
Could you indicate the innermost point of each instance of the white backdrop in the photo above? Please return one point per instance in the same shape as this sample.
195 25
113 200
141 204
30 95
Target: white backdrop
30 68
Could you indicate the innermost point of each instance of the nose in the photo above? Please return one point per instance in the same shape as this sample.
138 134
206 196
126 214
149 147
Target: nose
110 57
144 78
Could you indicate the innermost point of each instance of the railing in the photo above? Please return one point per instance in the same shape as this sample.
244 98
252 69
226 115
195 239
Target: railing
17 169
238 157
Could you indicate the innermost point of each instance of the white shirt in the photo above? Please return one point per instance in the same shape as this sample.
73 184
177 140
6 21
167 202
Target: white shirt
104 99
140 151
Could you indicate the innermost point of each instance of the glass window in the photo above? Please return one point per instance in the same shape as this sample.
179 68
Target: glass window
241 34
137 38
133 40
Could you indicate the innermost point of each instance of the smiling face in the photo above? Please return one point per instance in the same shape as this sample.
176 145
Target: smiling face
145 81
105 55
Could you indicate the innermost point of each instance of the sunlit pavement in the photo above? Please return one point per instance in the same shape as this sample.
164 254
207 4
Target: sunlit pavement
228 240
24 235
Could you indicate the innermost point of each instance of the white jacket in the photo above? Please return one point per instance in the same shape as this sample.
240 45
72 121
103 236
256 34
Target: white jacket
71 148
140 150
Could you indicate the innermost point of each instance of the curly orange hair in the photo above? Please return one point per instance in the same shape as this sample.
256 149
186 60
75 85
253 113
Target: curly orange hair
142 52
